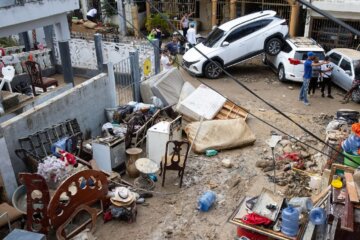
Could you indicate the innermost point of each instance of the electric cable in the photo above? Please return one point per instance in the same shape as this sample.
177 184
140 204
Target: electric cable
245 87
248 89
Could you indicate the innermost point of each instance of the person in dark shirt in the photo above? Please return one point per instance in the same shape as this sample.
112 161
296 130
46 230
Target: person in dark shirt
308 64
173 46
314 78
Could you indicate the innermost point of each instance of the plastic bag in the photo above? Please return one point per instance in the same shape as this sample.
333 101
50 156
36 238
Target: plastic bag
351 144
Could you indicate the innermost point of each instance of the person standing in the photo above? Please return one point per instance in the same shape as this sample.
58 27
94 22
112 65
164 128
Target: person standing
308 64
191 36
173 46
158 35
184 22
314 78
91 14
165 60
326 71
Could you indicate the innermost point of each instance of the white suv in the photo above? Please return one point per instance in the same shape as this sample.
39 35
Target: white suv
236 41
294 49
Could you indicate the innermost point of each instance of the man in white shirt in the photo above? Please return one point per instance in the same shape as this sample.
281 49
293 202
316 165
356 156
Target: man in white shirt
165 60
326 71
191 36
91 14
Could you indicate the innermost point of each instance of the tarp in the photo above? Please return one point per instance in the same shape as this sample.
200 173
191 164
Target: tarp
219 134
202 102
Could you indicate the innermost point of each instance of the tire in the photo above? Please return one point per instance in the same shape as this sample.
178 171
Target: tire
264 59
356 95
281 73
211 71
273 46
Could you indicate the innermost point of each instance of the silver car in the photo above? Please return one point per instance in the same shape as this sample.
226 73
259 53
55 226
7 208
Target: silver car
347 63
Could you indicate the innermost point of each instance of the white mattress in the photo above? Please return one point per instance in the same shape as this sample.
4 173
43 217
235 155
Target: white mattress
202 102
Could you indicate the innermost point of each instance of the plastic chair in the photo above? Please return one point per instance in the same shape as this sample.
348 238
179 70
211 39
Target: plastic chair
8 73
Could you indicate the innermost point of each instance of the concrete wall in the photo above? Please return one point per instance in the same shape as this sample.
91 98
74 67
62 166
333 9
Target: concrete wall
350 6
86 102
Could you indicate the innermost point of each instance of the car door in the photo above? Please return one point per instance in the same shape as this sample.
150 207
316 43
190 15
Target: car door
335 58
242 42
345 73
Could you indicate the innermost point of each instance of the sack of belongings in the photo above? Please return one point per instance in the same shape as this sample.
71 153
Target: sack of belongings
219 134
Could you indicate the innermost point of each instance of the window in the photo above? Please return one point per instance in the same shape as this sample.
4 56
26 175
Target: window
302 55
243 31
346 66
214 36
335 58
287 48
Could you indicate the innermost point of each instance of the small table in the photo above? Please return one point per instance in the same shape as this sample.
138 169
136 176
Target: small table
145 167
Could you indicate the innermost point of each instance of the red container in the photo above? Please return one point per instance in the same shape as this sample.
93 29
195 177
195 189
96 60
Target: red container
241 232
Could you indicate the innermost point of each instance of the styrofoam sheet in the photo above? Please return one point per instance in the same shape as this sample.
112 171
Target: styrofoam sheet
202 102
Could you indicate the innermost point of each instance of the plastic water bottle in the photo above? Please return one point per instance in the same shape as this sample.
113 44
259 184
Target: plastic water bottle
303 203
290 221
206 201
317 216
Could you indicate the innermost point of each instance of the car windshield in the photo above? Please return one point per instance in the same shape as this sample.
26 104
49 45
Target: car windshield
302 55
356 64
214 36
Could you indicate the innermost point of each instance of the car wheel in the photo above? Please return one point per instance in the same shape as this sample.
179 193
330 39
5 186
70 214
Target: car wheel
211 70
264 59
273 46
356 95
281 73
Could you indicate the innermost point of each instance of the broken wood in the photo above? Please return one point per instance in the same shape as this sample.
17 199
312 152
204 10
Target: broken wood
337 166
350 187
347 218
321 195
231 111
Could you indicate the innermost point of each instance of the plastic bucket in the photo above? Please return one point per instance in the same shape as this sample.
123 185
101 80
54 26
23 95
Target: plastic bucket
350 163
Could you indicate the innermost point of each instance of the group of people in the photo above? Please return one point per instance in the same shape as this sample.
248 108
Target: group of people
318 72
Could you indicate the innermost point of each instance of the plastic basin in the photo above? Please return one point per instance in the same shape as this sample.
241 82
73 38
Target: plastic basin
348 162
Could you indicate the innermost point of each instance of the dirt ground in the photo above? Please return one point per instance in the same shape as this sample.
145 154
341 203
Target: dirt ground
172 213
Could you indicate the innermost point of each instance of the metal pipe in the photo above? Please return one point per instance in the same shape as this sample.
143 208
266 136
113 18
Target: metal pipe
329 16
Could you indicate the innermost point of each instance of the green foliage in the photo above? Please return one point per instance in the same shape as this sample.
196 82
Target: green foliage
109 7
7 42
156 20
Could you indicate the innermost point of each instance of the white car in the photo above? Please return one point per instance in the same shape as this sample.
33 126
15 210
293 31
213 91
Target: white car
285 63
236 41
346 69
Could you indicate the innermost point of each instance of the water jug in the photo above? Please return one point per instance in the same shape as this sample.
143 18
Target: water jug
290 221
303 203
206 201
317 216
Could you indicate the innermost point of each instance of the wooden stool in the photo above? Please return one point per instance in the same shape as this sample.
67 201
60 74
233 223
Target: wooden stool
134 154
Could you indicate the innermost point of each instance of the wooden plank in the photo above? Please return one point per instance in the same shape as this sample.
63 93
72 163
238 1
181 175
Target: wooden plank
350 187
323 193
336 166
347 218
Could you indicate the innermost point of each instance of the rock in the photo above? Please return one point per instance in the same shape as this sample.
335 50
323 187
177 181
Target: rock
290 87
263 163
178 212
304 154
268 169
262 110
212 184
233 181
287 149
227 163
284 142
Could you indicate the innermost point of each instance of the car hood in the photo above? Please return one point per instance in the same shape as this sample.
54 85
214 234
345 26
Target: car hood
193 55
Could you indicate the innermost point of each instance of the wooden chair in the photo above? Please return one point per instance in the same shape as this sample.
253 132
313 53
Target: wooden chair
37 80
174 160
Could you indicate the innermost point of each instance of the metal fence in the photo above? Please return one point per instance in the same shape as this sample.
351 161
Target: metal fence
124 82
331 35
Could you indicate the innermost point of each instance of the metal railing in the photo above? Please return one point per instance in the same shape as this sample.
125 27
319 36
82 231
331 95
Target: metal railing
124 81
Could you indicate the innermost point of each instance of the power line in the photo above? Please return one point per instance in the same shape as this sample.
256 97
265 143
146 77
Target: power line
245 87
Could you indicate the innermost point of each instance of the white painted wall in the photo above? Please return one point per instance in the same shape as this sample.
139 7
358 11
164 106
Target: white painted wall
350 6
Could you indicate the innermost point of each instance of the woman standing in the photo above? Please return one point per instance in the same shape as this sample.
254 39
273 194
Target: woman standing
185 23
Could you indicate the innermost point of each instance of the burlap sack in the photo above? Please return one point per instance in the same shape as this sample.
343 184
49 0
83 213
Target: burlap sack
219 134
90 24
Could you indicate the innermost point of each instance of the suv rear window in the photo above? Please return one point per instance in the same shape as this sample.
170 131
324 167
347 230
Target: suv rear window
335 58
302 55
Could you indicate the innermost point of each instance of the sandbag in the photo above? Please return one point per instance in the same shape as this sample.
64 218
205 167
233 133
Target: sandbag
219 134
90 24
